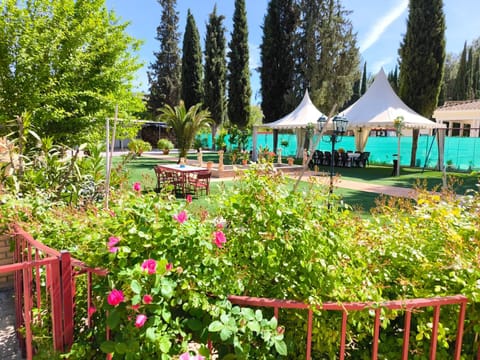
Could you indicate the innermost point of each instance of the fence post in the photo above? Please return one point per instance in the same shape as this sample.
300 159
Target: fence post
67 297
53 272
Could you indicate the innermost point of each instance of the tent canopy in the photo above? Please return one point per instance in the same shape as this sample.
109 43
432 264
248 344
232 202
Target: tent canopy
305 113
380 106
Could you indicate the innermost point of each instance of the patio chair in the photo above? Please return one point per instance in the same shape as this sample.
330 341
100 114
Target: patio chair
327 159
362 160
200 182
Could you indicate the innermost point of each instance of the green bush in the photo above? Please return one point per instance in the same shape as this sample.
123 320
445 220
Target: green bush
137 146
164 144
264 240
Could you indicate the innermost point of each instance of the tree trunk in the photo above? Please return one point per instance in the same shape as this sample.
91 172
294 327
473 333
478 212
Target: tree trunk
413 158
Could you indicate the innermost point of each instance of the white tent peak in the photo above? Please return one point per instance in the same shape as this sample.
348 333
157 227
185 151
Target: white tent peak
304 114
380 106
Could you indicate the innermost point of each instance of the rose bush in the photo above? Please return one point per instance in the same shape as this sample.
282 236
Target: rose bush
170 268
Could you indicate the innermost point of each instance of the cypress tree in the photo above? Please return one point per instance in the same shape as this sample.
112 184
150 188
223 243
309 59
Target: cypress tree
364 79
192 89
326 53
215 70
469 81
164 74
239 91
276 54
461 78
393 79
476 76
422 59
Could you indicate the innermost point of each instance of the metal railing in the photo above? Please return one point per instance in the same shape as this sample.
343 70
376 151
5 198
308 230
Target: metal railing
408 306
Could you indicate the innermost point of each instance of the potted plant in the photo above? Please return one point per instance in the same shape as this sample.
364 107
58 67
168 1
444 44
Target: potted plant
165 145
290 161
245 157
137 147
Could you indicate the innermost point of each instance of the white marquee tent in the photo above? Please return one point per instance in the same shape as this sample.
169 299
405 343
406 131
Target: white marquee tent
305 113
378 108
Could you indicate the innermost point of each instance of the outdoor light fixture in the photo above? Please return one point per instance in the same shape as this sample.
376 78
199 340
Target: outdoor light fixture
340 124
322 120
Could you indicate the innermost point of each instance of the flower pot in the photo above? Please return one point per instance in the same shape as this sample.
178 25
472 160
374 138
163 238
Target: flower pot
244 161
290 161
165 151
209 165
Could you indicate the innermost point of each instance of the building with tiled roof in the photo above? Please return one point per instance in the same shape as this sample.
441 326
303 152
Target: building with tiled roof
462 118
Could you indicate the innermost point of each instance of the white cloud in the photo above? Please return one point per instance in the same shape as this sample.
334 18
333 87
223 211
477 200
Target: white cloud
382 24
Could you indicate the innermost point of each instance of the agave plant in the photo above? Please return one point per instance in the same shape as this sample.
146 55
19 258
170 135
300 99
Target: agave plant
185 124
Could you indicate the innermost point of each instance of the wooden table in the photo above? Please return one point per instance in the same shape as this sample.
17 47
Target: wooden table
182 172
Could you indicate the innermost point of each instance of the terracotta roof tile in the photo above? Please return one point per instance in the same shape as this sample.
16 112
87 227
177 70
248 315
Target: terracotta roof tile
460 105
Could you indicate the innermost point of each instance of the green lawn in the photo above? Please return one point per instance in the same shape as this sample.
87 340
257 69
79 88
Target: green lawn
141 169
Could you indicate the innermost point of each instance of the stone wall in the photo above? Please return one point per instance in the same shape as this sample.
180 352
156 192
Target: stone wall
6 257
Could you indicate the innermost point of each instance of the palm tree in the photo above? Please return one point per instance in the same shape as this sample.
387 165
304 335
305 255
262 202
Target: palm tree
185 124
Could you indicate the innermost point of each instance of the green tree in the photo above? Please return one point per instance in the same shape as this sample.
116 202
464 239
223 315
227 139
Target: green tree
215 70
393 79
185 124
422 59
276 54
461 79
239 91
66 64
192 89
363 89
326 53
164 74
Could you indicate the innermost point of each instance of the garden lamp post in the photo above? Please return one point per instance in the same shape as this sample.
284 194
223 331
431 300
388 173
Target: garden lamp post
339 128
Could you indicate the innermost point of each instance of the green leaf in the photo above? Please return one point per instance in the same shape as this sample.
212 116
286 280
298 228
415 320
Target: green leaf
151 334
281 347
215 326
121 348
165 344
254 326
136 287
166 315
225 334
113 319
107 347
258 315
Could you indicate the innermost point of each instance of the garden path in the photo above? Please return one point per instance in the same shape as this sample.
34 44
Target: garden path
8 340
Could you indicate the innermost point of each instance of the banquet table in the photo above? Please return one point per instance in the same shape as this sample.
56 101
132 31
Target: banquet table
182 171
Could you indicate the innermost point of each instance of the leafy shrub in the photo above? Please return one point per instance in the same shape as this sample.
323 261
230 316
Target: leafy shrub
138 147
164 144
264 240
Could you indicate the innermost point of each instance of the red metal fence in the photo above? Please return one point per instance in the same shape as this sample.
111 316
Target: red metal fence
45 279
408 306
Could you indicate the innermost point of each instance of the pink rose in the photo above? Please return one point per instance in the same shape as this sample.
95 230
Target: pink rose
187 356
137 187
135 307
181 217
112 241
147 299
113 249
140 320
115 297
150 266
189 198
91 310
220 238
169 266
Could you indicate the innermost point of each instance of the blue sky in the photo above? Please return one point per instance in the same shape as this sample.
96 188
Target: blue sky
379 24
